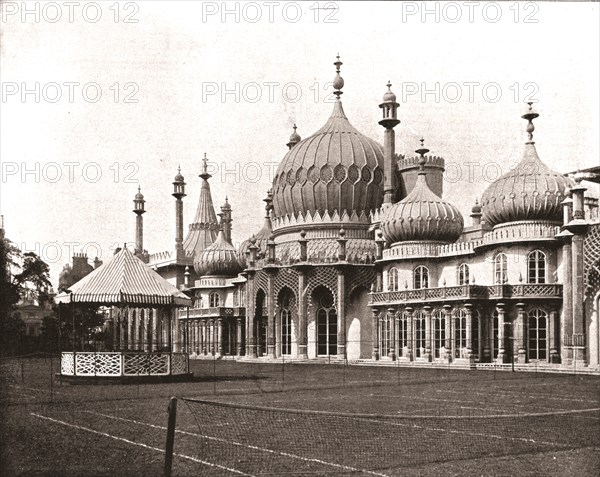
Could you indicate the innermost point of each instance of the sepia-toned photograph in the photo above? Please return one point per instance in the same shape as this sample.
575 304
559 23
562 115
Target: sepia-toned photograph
299 238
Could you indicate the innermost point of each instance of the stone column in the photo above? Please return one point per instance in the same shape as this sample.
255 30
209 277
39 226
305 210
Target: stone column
410 332
469 330
271 315
486 327
520 335
579 345
567 308
211 333
239 335
553 356
203 337
302 321
501 331
341 314
392 322
117 330
428 333
175 330
375 333
219 337
131 330
251 319
449 340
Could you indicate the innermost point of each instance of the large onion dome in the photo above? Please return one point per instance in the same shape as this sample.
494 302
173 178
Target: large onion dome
219 259
422 215
336 168
529 191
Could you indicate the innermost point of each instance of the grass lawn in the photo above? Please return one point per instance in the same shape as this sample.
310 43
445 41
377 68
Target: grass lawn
405 421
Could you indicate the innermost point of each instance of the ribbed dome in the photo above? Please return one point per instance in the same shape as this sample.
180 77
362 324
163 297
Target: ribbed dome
421 215
530 191
337 168
220 259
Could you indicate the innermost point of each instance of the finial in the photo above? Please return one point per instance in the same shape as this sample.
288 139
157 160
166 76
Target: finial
139 189
530 115
338 81
421 152
178 168
205 175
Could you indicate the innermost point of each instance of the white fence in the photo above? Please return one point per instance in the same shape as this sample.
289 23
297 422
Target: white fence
123 364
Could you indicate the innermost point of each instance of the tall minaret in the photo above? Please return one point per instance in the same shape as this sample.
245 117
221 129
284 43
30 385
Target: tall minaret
226 219
179 194
138 210
389 122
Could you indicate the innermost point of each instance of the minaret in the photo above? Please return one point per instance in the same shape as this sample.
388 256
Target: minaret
138 210
389 122
203 231
226 219
179 194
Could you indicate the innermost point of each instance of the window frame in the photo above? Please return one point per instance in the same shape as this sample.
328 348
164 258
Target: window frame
420 277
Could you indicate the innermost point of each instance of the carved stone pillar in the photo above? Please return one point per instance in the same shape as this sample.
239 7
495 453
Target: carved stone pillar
375 333
410 332
341 314
239 335
302 321
204 337
428 333
449 340
553 357
520 335
469 330
219 337
392 325
486 326
501 334
271 315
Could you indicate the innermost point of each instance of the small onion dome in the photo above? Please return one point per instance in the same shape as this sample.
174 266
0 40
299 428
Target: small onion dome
178 177
476 208
389 96
219 259
259 239
139 195
422 216
294 138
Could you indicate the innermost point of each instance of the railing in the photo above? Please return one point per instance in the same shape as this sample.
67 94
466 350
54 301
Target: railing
467 292
123 364
211 312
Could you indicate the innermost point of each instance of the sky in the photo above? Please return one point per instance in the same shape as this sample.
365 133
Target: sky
99 98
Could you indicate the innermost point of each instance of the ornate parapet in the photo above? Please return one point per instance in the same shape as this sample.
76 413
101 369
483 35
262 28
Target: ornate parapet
524 231
413 250
212 312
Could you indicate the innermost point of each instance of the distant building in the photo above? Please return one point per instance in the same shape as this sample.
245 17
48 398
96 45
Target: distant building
359 257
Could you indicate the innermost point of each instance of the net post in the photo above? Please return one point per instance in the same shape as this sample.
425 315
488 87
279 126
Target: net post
172 411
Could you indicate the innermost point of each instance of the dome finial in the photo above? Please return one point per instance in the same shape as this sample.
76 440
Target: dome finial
421 152
294 138
338 81
530 115
205 175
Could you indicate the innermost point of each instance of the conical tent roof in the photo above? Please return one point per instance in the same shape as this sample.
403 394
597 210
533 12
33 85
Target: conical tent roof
125 280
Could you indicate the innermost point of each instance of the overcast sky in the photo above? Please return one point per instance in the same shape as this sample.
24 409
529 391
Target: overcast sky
98 98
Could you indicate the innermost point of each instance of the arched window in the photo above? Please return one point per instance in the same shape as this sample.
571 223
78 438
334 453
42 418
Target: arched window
538 334
213 300
500 264
536 267
385 329
326 323
439 332
463 274
393 279
421 277
460 332
285 303
402 333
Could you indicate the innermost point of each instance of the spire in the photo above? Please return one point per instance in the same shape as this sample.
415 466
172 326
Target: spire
338 81
226 220
203 231
530 115
138 210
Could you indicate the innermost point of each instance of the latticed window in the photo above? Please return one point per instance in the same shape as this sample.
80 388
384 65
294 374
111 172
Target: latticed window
421 277
286 332
439 332
326 325
385 329
536 266
463 274
402 333
538 334
420 334
460 332
495 335
213 299
500 266
393 279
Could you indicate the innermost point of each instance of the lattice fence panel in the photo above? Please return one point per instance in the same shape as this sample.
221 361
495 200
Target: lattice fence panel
67 364
154 364
179 363
108 364
85 364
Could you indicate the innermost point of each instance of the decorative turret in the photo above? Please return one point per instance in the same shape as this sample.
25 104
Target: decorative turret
262 236
294 139
139 210
422 215
390 120
529 191
203 231
179 194
476 214
226 219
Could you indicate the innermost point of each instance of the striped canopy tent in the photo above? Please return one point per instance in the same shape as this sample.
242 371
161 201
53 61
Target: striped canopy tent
125 281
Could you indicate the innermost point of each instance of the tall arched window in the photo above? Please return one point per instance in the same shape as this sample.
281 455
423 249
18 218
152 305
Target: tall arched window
536 267
463 274
500 273
402 333
393 279
538 334
419 324
213 299
385 329
326 323
439 332
460 332
421 277
285 303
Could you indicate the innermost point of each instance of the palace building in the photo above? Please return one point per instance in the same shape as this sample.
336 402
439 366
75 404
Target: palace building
360 257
